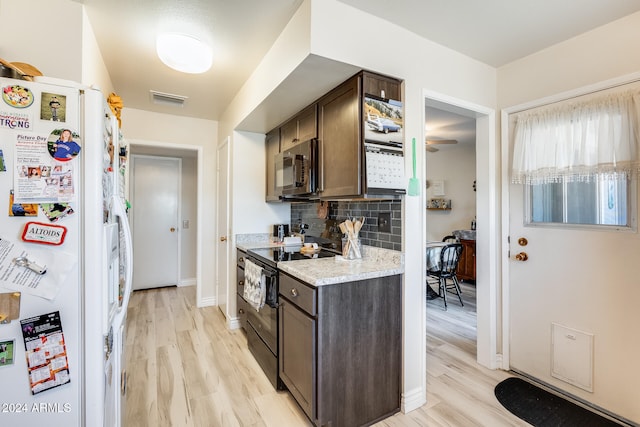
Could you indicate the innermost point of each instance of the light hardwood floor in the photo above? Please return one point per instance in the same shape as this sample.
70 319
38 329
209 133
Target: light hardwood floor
186 369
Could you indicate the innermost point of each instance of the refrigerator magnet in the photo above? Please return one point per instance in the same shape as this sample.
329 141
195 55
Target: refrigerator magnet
63 144
37 232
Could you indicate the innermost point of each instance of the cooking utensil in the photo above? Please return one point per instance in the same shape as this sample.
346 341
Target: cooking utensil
414 184
352 238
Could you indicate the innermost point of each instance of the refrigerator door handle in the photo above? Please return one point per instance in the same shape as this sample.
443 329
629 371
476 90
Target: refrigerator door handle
119 211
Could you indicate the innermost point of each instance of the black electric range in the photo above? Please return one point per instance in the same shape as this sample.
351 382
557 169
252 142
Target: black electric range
271 256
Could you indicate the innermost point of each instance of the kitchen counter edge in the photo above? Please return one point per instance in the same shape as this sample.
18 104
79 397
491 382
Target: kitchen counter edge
376 263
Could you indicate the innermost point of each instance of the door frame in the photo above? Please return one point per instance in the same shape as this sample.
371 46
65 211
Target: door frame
226 206
488 223
178 160
155 147
506 196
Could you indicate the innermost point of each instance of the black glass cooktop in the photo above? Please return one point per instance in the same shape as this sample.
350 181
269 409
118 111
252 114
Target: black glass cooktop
274 255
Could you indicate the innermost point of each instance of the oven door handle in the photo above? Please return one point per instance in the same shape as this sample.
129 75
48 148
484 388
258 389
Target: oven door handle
271 282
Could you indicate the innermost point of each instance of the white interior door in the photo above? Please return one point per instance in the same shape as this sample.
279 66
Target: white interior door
572 307
223 229
155 203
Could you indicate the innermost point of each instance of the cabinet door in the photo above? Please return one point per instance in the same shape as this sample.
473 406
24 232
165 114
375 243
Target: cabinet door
308 124
297 367
272 147
384 87
303 127
289 134
467 264
339 131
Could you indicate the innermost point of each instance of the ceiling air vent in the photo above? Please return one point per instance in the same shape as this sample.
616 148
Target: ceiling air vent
167 98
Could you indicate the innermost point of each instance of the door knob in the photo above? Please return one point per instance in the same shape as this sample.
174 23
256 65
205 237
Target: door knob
522 256
172 229
223 239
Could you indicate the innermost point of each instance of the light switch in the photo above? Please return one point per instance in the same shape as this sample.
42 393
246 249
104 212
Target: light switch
185 224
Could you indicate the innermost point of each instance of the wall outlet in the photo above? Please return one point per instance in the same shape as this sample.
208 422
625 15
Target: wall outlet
384 222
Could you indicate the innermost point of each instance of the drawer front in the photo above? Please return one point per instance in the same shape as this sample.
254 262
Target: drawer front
298 293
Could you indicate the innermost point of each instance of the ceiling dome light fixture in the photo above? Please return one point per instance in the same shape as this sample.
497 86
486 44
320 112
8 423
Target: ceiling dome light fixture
184 53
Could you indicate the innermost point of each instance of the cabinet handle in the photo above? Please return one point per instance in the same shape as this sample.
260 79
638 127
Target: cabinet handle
294 292
241 283
240 311
241 259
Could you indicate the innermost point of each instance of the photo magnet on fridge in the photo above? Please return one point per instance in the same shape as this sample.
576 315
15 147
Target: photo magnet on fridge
63 144
53 107
7 351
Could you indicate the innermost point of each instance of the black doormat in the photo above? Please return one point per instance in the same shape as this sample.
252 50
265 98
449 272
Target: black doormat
540 408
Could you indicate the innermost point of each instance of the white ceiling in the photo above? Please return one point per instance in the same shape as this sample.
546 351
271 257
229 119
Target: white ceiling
497 32
241 31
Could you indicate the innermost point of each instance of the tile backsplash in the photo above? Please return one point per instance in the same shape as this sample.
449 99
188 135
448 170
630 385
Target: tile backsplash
311 213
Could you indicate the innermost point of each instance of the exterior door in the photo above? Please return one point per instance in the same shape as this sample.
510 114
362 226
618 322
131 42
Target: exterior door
572 311
223 232
155 200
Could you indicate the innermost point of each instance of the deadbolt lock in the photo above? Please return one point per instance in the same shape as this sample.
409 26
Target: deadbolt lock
523 241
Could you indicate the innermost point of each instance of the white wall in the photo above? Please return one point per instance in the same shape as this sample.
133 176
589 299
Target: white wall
598 292
94 70
27 36
456 166
164 128
70 52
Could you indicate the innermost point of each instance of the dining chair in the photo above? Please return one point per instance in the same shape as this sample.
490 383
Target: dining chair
449 258
450 239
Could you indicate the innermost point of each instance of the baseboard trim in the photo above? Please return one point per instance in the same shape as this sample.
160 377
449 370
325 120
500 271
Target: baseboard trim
412 400
234 323
207 302
187 282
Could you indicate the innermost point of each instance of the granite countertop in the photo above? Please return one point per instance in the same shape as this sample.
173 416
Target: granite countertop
465 234
376 262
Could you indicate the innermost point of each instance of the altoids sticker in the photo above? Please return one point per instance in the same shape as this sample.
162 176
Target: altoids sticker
17 96
47 234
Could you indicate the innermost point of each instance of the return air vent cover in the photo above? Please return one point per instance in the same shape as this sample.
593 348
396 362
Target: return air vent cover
167 98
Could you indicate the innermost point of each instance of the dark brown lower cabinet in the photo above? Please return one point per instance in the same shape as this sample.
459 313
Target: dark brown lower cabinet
340 349
467 264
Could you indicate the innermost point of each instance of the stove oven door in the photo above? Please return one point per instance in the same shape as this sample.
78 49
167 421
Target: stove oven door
265 321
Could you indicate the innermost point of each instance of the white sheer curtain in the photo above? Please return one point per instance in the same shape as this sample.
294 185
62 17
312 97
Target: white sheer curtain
578 140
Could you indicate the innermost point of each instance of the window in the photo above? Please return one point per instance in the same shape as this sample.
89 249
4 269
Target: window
579 159
603 200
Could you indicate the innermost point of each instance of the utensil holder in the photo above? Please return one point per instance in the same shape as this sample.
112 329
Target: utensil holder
351 248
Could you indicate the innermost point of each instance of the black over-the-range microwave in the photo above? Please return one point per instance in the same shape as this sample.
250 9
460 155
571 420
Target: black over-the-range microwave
296 169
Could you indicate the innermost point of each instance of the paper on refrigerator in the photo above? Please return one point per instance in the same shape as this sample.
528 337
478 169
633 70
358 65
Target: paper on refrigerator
18 278
38 177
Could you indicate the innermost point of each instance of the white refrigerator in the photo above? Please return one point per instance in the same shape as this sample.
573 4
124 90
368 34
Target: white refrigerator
65 256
